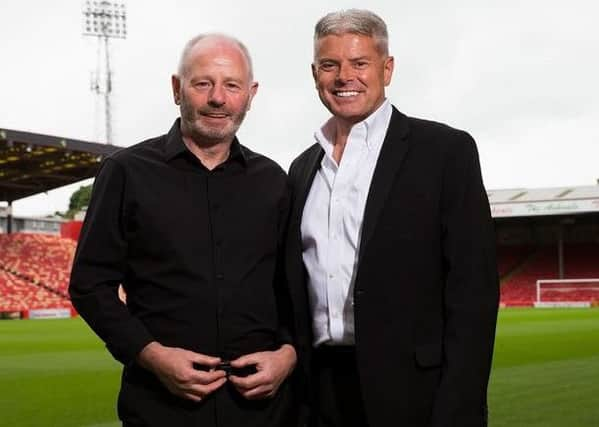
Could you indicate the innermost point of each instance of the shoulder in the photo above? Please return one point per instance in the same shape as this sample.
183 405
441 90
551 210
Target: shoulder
262 164
135 160
301 160
140 153
438 136
147 150
307 153
432 129
265 178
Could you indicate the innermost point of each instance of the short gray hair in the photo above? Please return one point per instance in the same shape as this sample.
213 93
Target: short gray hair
353 21
192 42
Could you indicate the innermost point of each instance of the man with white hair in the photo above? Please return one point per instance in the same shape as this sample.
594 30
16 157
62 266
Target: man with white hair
391 235
191 224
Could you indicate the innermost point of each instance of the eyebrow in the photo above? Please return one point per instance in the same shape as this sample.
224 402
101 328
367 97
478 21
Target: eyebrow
356 59
200 77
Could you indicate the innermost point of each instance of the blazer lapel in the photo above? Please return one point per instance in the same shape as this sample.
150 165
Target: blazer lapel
301 183
394 149
306 177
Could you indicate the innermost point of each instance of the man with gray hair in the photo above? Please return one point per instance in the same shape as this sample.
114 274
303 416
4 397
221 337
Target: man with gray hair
191 224
391 234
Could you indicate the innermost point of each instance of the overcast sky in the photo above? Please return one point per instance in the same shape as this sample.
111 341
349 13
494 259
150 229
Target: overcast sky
520 75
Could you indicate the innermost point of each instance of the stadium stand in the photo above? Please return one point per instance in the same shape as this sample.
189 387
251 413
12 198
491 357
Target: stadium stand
33 163
18 294
35 268
560 292
546 234
34 272
519 287
41 259
510 258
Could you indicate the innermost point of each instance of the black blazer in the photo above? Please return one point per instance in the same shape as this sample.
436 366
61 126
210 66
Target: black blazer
426 290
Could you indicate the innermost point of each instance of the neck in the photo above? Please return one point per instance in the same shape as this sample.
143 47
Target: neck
211 153
342 130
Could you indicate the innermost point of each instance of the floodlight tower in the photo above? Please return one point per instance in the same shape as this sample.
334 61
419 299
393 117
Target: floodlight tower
104 20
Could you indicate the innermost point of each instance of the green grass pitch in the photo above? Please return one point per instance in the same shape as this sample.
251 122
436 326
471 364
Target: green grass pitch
55 373
546 369
545 372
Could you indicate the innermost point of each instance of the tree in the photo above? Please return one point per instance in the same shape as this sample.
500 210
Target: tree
79 199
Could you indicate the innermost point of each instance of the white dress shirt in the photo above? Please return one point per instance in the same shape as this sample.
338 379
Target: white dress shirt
332 224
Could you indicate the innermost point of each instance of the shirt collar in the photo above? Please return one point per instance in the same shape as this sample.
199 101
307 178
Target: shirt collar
175 146
373 124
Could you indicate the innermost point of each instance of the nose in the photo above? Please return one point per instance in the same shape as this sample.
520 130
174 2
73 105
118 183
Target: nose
344 73
216 97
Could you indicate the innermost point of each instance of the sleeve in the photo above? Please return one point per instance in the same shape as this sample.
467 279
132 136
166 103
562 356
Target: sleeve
471 292
284 306
302 342
100 266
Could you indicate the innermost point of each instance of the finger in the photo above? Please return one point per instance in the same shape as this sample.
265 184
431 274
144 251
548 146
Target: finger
248 359
204 360
206 377
203 390
249 382
191 396
261 392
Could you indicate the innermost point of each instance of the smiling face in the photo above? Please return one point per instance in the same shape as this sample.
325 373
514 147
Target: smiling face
214 91
350 74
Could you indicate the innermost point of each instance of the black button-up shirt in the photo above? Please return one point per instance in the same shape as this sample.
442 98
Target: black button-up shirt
196 251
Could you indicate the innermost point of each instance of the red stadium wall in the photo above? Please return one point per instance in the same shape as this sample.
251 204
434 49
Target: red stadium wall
71 229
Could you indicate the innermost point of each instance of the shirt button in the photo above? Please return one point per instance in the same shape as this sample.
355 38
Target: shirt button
331 276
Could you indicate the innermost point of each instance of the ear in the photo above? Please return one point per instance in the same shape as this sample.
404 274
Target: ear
253 91
176 85
388 69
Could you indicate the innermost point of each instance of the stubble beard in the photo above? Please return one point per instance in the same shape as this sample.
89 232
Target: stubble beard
205 134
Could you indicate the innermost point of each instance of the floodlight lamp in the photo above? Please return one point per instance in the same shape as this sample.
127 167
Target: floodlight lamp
101 19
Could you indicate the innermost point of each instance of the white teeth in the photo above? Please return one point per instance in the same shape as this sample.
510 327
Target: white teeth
346 94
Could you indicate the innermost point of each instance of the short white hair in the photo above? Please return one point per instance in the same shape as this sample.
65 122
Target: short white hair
192 42
353 21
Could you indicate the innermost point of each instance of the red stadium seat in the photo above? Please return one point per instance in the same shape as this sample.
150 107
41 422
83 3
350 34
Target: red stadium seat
580 261
34 271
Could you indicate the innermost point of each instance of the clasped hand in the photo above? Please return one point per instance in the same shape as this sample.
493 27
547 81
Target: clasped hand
174 367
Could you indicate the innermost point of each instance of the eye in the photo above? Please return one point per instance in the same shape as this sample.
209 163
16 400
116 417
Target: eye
233 86
360 65
327 66
202 84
